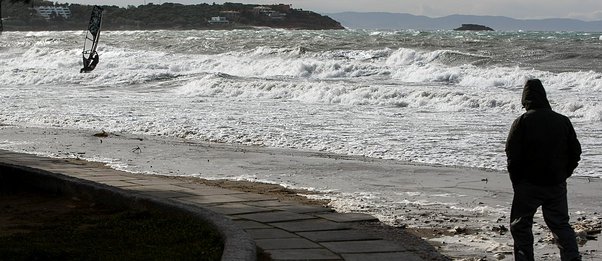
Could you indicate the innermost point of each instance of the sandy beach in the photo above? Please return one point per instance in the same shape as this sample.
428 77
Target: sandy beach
462 212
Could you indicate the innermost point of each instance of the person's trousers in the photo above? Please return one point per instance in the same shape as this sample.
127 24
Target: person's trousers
553 201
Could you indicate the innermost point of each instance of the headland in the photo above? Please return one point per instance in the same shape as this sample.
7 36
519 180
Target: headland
166 16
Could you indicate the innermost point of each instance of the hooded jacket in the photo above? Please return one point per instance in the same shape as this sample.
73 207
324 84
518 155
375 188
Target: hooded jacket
542 147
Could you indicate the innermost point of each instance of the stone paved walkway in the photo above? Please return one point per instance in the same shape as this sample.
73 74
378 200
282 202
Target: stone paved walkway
284 230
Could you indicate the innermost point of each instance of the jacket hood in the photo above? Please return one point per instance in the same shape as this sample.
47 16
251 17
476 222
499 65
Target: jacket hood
534 96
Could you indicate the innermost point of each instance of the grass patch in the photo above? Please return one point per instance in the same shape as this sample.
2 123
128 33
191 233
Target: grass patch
39 226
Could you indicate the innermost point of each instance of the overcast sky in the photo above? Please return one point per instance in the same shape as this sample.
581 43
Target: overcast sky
523 9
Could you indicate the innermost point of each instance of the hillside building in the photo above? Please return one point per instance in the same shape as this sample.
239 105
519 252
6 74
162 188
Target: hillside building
218 20
47 11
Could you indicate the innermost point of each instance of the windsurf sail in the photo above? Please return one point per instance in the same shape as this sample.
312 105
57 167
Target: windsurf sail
91 41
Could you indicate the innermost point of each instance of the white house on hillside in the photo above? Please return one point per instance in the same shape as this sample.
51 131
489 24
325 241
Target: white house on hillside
46 11
218 20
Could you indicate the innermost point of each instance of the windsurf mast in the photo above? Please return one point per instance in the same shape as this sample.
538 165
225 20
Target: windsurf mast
1 26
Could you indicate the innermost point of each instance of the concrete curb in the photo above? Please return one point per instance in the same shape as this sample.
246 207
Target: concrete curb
238 245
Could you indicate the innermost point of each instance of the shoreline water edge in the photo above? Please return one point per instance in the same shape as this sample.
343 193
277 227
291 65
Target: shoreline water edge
463 212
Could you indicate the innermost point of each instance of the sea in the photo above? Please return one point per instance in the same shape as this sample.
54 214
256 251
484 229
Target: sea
440 98
436 97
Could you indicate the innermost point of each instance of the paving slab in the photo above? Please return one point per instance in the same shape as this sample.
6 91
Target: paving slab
164 193
256 197
56 169
367 246
207 190
119 183
396 256
338 235
136 188
90 173
111 177
310 225
304 209
84 176
270 233
270 203
248 224
149 181
213 199
303 254
286 243
348 217
165 187
276 216
191 185
237 208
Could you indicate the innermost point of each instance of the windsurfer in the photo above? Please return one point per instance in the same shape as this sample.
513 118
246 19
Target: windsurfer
90 64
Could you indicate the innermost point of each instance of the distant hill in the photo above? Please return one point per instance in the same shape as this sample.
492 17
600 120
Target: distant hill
396 21
167 16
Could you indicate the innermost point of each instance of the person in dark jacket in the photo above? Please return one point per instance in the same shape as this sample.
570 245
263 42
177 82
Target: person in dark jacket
542 150
90 64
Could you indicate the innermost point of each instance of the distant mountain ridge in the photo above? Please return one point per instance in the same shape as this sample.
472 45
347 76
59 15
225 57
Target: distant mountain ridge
397 21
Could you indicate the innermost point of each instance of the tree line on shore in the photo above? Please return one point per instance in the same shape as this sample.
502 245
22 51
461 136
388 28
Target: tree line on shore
21 15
